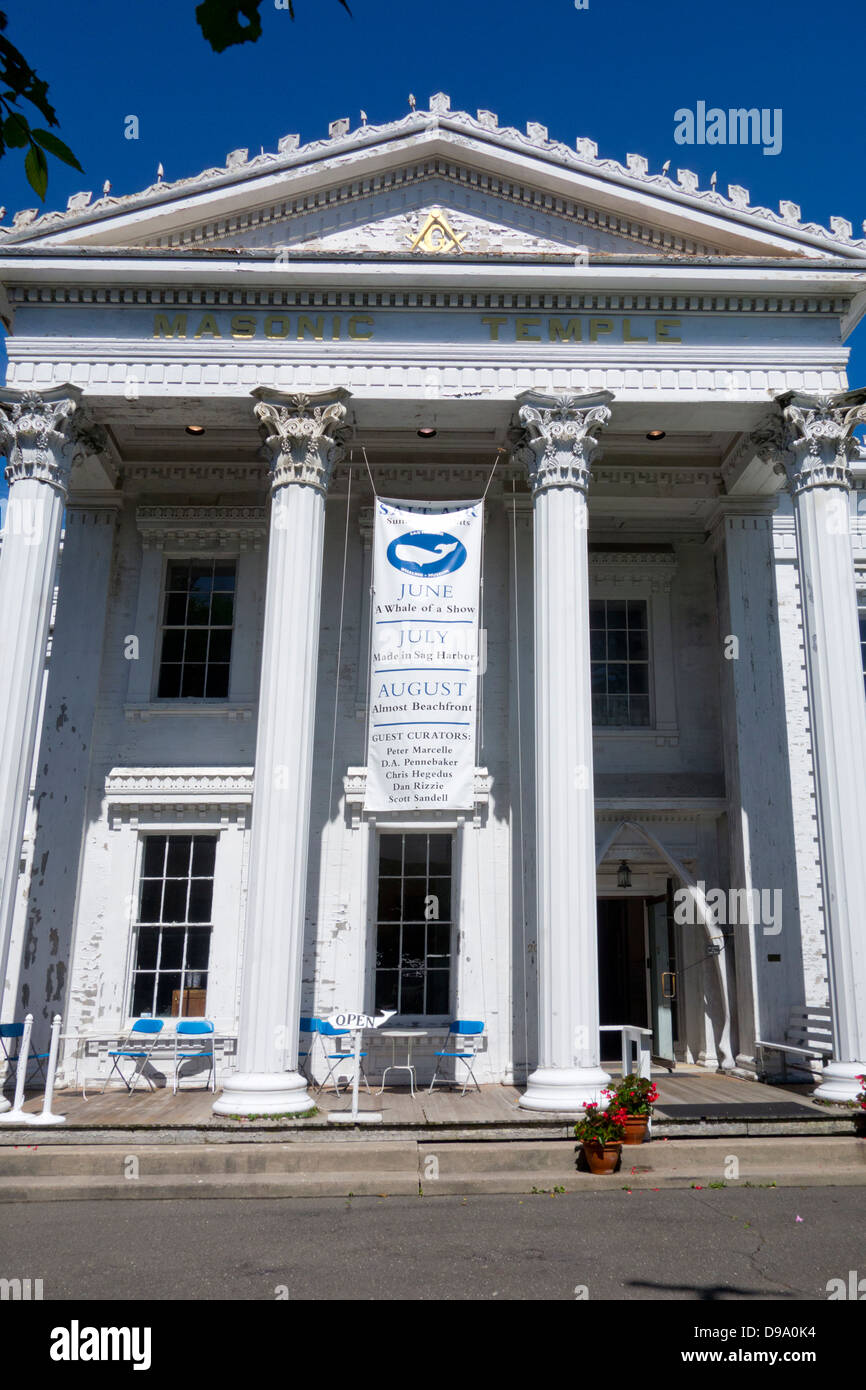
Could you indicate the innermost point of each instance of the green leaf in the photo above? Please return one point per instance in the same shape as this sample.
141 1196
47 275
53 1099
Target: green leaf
16 131
220 22
36 169
56 147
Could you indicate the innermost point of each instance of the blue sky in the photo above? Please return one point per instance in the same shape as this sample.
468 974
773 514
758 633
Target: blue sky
615 71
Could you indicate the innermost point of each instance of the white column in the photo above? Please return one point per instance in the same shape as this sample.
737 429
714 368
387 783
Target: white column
768 955
560 446
816 449
40 434
302 436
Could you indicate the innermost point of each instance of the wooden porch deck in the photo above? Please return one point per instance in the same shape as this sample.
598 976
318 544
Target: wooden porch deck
689 1094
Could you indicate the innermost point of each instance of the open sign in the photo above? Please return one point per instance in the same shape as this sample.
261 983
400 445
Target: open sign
343 1018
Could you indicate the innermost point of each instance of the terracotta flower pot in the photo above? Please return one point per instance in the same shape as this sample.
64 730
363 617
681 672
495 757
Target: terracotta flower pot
635 1129
601 1158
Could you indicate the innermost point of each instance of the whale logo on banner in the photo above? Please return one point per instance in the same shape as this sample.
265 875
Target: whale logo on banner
426 553
424 656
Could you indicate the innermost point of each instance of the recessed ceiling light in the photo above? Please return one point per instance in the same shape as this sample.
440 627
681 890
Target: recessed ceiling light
195 429
427 433
656 434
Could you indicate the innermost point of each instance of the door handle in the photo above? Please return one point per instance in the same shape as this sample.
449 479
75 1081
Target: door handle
669 991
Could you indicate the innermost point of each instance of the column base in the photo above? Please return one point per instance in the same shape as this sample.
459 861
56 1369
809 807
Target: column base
564 1090
4 1104
264 1093
839 1082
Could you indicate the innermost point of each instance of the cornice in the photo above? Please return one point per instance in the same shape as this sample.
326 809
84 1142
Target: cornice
210 297
151 795
202 527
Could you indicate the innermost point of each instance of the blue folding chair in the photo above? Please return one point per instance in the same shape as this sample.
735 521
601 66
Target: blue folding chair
10 1043
194 1028
342 1063
471 1031
313 1026
142 1027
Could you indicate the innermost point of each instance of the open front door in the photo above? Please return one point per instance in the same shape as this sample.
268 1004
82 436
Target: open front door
663 981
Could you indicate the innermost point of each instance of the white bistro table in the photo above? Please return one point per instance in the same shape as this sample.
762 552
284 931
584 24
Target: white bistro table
410 1035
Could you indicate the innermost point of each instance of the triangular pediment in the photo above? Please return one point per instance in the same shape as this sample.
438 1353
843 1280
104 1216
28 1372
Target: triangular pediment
502 192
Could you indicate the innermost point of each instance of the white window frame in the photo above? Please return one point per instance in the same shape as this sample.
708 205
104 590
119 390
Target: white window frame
646 575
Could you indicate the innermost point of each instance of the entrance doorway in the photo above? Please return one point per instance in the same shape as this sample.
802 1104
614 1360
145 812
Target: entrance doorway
637 972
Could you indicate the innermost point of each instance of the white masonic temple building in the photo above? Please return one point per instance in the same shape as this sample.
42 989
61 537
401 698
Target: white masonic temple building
429 583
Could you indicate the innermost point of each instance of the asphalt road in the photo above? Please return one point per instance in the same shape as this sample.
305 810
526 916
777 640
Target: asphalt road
749 1244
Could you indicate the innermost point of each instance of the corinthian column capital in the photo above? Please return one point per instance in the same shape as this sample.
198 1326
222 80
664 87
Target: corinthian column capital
559 437
303 434
42 432
812 441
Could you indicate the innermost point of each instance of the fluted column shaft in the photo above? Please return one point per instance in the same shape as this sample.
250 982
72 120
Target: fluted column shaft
302 437
40 435
560 445
817 446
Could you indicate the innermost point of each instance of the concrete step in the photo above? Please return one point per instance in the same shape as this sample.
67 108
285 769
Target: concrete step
370 1168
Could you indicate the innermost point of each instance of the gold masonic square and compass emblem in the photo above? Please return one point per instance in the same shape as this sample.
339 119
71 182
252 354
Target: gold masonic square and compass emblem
437 235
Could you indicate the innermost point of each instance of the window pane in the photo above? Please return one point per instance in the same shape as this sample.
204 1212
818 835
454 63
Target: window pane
203 855
148 945
414 895
638 646
197 610
597 645
197 949
196 645
617 646
220 648
168 992
154 855
440 888
201 578
640 713
389 899
440 854
386 989
172 645
617 681
200 900
437 992
178 577
174 900
224 575
222 610
387 947
618 709
142 995
638 679
217 686
637 614
390 854
193 681
151 900
179 852
596 614
175 610
172 950
415 854
438 943
412 993
169 682
598 677
413 947
616 610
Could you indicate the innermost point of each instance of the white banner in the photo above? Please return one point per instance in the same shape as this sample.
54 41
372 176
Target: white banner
424 657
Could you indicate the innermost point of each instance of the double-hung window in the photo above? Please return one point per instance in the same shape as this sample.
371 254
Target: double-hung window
197 625
620 661
413 926
173 926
